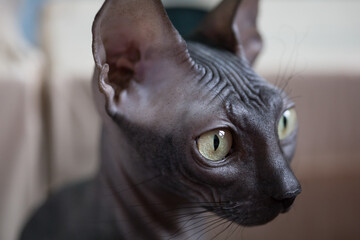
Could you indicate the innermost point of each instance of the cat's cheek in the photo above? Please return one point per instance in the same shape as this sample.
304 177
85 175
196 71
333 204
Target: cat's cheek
215 173
249 211
258 217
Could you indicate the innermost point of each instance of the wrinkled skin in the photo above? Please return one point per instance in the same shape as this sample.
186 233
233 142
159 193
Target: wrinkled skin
156 95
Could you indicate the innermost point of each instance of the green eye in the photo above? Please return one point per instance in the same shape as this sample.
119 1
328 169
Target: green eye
215 145
287 124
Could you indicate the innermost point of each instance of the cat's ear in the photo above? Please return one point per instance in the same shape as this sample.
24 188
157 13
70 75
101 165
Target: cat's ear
232 26
134 42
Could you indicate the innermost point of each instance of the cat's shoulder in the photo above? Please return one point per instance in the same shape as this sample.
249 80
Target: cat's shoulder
71 213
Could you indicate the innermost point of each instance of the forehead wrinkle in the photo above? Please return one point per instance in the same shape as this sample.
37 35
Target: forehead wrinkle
213 82
246 92
249 83
226 89
240 78
229 81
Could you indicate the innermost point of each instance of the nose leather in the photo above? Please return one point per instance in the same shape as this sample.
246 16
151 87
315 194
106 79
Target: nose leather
281 183
285 189
286 203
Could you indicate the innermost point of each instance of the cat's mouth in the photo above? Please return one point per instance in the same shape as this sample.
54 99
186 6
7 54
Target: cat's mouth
249 214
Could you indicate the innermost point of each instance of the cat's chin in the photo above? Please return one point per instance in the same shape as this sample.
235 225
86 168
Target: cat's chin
250 215
257 218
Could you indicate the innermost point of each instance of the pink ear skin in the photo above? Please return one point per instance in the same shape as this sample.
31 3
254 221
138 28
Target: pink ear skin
232 26
134 42
135 38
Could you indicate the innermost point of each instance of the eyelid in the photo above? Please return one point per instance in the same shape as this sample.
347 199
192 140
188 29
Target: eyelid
287 106
229 128
216 125
290 105
288 102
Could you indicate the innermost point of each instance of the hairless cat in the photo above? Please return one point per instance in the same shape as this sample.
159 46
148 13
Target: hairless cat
188 129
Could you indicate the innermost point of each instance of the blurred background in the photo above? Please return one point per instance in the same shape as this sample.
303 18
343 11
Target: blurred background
49 128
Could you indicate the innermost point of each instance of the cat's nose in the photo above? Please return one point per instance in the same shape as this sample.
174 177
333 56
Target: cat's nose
282 185
286 203
287 189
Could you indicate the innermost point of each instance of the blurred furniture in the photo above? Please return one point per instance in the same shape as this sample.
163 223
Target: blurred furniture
23 182
73 120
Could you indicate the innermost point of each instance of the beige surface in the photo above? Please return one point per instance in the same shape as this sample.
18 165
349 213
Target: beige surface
22 172
312 36
74 123
201 4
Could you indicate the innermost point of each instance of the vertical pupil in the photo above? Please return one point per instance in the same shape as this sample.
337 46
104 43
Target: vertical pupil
216 142
285 121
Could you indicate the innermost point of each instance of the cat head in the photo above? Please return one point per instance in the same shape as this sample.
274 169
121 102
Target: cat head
195 112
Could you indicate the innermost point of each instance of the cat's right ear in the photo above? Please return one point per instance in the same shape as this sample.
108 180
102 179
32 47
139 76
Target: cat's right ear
232 26
134 43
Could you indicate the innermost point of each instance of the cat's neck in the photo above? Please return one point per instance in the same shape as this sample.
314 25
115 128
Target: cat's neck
142 209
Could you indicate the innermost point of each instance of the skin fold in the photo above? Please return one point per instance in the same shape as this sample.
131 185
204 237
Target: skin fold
157 94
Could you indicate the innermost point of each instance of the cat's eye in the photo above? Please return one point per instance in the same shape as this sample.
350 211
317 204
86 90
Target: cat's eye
287 123
215 145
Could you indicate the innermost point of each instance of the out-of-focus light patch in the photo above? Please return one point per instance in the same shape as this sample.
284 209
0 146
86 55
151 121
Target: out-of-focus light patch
309 37
30 16
201 4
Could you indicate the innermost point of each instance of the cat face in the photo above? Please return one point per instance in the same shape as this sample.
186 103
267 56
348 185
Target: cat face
239 151
197 114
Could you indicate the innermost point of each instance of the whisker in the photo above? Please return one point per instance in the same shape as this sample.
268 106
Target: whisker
199 226
236 230
192 215
192 218
218 234
230 231
222 222
201 219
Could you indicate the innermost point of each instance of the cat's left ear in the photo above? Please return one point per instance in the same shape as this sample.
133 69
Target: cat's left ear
134 43
232 26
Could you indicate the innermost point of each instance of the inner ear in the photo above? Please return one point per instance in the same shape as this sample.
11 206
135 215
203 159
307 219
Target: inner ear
135 38
122 67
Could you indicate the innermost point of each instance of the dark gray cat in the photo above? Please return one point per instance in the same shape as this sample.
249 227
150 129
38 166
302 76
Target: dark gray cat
189 128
